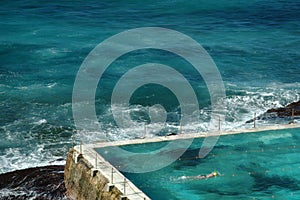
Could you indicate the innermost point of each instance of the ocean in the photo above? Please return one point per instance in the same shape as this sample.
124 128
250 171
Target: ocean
255 45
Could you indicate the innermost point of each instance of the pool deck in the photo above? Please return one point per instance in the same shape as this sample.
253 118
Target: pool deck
116 179
119 181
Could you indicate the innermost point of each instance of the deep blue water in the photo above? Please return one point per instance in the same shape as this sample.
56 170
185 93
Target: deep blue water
255 45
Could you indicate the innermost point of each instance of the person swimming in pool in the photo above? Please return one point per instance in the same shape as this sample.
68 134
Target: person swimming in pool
207 176
213 174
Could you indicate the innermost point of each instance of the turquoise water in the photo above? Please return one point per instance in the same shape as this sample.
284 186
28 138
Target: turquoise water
255 45
261 165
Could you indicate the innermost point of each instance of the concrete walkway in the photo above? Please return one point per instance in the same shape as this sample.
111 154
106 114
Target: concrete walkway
129 190
191 136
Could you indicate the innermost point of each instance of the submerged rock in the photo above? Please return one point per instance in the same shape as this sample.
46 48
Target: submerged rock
42 183
287 111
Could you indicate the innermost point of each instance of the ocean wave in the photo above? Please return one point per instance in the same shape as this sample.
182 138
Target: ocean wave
43 132
18 158
38 144
241 104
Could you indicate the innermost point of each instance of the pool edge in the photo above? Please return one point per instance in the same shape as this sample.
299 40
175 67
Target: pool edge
89 175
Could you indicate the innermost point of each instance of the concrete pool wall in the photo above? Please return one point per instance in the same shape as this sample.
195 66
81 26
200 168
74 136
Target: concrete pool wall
89 176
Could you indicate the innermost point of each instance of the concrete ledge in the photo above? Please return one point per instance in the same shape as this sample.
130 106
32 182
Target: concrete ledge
189 136
84 182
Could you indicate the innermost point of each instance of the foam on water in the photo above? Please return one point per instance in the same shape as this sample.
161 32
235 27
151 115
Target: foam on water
35 141
19 158
242 103
254 44
8 193
41 121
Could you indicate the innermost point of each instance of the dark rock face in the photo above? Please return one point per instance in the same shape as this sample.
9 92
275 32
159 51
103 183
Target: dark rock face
287 111
41 183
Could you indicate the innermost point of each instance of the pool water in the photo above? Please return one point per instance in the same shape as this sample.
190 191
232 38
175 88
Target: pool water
260 165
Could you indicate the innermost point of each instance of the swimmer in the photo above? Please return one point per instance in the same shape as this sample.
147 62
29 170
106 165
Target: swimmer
207 176
213 174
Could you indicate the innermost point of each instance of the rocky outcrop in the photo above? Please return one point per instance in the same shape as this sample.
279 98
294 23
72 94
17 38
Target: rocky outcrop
290 110
41 183
287 110
82 184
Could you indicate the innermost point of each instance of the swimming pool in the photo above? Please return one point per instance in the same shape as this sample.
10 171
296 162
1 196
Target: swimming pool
260 165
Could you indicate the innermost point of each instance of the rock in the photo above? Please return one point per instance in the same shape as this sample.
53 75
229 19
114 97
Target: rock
44 183
286 111
171 134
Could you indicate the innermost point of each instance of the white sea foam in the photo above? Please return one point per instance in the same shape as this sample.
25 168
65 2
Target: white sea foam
8 193
18 158
51 85
21 149
22 88
42 121
240 108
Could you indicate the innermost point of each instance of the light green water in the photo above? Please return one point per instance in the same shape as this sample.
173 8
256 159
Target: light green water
261 165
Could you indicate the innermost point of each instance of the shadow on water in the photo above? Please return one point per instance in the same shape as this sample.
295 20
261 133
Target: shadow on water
264 181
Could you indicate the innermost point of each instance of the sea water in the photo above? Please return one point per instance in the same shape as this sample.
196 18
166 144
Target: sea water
260 165
255 45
